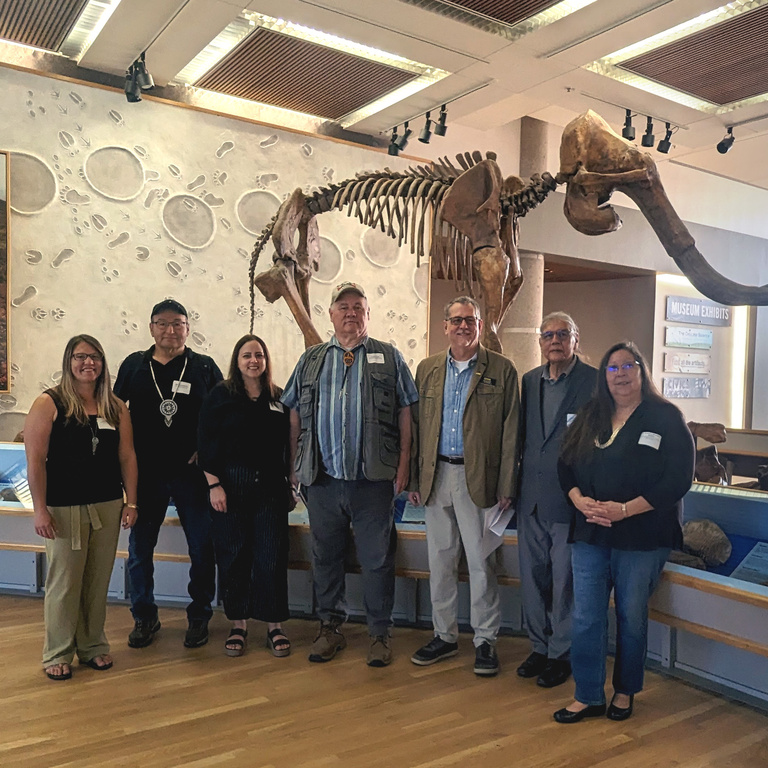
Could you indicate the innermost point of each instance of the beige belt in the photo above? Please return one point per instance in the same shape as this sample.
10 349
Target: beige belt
74 522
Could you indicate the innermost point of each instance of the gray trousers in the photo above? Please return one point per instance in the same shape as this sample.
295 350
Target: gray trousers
547 584
332 506
454 520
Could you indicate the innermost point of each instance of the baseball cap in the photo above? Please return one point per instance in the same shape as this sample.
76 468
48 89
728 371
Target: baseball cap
344 288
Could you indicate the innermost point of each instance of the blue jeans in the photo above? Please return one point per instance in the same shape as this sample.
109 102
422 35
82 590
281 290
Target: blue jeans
187 487
633 576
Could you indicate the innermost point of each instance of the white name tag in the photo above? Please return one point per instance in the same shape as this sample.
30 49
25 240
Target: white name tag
375 357
103 424
182 387
569 417
276 407
651 439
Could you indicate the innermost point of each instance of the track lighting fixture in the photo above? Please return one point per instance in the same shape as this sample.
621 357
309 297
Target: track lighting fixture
393 148
628 132
132 87
726 142
648 139
143 78
440 126
666 143
403 140
426 131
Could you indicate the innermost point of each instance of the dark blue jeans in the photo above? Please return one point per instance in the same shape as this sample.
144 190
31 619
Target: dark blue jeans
187 487
332 505
633 576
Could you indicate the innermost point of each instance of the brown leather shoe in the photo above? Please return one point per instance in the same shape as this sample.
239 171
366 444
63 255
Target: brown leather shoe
328 643
380 651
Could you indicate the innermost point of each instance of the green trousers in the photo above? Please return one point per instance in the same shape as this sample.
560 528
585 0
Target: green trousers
80 562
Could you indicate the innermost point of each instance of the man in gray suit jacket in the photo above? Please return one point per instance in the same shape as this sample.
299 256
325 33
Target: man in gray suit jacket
551 395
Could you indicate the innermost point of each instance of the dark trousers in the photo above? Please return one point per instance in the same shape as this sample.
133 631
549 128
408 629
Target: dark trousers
251 541
187 487
333 505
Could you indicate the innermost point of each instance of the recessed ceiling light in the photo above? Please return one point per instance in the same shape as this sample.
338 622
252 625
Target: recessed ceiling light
89 24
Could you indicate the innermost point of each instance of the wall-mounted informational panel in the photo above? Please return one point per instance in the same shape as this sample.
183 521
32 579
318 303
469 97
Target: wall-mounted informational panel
684 309
688 338
687 362
687 386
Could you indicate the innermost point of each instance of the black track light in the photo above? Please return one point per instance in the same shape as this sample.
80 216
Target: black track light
666 143
132 87
403 140
628 132
143 78
648 139
393 149
726 142
440 126
426 131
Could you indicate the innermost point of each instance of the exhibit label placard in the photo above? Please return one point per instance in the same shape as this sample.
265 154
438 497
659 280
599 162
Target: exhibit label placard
686 387
690 338
687 362
683 309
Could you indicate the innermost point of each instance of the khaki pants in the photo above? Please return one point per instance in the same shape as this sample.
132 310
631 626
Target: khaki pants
80 562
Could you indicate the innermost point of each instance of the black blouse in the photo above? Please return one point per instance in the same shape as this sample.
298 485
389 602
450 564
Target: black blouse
235 431
653 456
75 473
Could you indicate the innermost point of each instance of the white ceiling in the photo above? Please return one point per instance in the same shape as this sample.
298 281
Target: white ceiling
539 75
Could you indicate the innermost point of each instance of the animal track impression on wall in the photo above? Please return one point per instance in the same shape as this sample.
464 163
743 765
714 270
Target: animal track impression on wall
226 147
33 184
189 221
220 178
25 295
328 174
73 197
142 253
39 314
196 183
255 208
33 257
307 150
270 141
62 257
121 239
115 172
263 181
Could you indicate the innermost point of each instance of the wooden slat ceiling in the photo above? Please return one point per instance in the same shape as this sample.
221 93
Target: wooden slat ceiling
508 11
725 63
294 74
40 23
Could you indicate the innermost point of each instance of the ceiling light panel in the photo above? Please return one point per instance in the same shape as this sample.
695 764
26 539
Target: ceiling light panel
41 24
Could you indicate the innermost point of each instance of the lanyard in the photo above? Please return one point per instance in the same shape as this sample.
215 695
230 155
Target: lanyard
168 408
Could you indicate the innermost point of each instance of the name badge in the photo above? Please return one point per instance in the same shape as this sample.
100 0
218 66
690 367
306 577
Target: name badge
277 407
569 417
103 424
375 357
182 387
488 380
651 439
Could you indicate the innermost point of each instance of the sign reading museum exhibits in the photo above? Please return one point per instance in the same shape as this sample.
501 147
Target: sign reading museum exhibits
687 362
690 338
688 386
681 309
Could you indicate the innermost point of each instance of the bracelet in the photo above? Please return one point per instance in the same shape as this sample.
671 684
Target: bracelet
214 485
624 509
132 506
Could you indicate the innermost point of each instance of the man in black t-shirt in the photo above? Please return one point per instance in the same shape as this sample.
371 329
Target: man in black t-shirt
164 388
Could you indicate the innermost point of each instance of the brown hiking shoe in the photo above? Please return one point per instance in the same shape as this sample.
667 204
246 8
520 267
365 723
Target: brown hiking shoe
328 643
380 651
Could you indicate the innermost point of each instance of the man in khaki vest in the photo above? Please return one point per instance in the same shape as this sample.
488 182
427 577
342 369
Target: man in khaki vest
463 463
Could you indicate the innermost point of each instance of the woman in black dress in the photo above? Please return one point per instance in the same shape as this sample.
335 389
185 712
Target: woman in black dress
243 450
80 459
626 463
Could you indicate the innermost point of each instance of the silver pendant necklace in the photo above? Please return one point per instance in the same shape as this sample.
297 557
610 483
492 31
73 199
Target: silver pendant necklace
168 407
94 438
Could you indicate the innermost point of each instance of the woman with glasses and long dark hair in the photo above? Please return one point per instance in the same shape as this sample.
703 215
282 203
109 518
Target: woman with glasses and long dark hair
243 450
626 463
82 475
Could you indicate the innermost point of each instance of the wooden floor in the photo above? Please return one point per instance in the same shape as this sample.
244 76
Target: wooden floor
168 706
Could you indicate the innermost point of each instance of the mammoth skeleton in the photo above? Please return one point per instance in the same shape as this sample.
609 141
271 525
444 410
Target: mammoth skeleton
467 220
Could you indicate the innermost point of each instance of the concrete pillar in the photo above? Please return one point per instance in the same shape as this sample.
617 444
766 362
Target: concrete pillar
534 147
519 332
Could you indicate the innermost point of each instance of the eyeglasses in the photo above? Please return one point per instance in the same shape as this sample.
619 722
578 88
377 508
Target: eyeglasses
163 325
255 356
562 335
457 321
626 367
81 357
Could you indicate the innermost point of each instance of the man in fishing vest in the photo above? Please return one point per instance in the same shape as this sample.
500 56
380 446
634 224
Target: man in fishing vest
350 404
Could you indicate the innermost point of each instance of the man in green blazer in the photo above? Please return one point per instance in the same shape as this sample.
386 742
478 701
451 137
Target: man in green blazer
463 464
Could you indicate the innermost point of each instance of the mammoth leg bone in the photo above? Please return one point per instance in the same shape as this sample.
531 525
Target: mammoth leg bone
595 162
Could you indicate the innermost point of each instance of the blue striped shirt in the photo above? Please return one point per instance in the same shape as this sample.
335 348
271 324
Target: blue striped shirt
454 399
339 406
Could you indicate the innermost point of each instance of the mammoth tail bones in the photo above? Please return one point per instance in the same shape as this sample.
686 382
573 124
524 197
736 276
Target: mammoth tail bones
467 220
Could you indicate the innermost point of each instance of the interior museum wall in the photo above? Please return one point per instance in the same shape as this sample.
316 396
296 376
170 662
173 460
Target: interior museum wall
126 204
606 311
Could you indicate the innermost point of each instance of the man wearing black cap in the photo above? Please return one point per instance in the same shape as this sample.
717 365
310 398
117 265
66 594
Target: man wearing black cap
350 404
164 388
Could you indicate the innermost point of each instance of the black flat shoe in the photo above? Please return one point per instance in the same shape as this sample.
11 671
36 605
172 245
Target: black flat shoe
566 716
620 713
533 666
555 673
